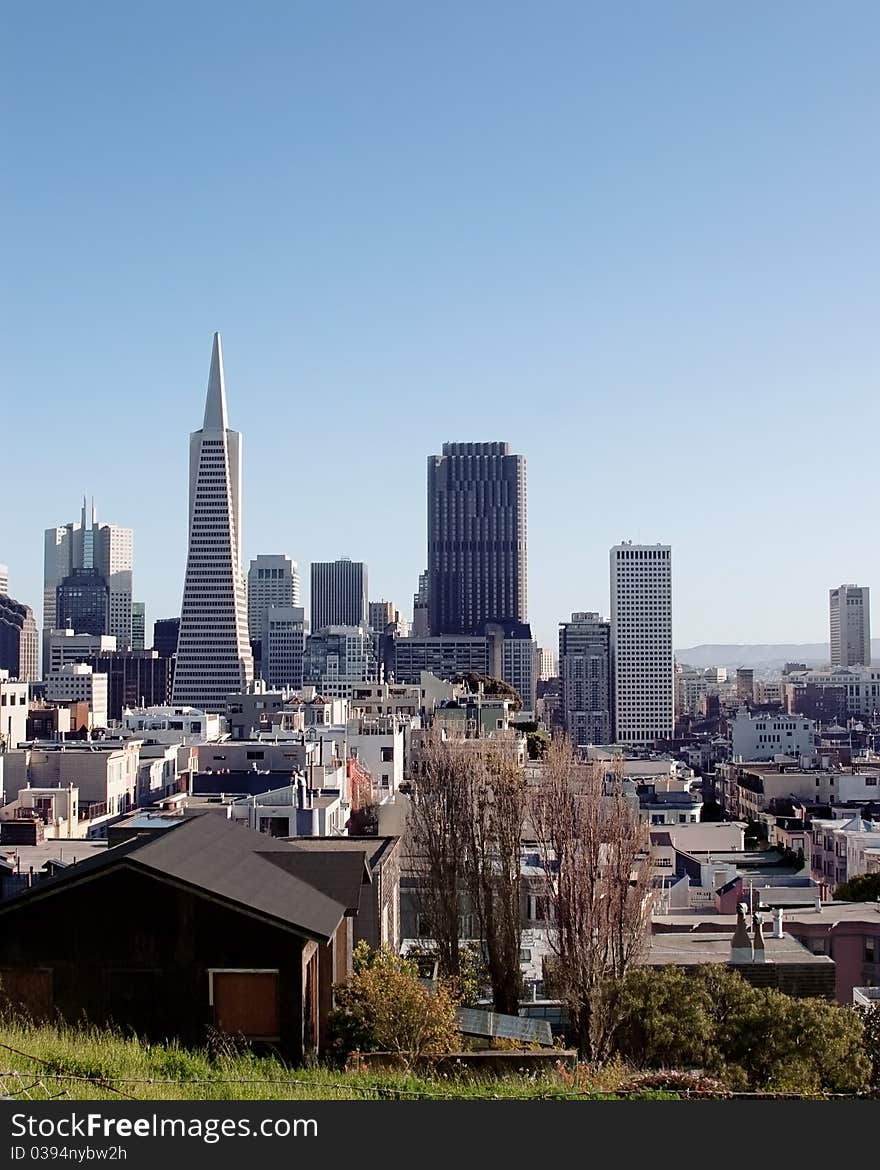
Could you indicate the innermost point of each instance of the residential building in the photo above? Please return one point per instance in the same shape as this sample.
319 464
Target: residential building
172 725
338 594
837 849
13 712
292 811
747 790
338 657
104 771
764 737
78 683
87 545
213 652
585 677
19 640
274 935
138 625
283 646
4 580
272 581
477 564
860 692
642 664
850 624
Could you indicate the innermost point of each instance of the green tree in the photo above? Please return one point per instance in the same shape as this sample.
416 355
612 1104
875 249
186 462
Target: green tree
870 1017
864 888
384 1007
537 743
749 1037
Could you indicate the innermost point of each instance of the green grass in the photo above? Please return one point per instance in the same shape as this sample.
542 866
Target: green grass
42 1061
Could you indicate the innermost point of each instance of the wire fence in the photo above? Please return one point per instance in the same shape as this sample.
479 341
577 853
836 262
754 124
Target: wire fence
12 1086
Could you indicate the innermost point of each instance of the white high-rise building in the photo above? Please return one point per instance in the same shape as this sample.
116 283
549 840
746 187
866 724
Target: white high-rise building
850 616
642 663
4 580
272 580
213 653
546 664
86 544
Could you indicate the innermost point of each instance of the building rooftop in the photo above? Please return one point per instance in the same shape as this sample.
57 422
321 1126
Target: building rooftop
55 850
829 913
688 949
230 863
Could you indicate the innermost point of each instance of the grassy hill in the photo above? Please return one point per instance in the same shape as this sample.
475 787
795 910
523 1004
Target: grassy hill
94 1064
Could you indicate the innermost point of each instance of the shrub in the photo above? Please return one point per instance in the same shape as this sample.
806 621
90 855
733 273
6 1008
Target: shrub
384 1007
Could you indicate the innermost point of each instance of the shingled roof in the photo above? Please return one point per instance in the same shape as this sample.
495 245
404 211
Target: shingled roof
206 853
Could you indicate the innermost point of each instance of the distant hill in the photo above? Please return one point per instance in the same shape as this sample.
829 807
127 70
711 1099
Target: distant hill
771 655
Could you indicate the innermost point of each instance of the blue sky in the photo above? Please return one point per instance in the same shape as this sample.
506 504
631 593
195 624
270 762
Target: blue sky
637 241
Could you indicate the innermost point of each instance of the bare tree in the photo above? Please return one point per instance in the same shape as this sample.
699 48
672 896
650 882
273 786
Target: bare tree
438 833
468 806
496 816
595 856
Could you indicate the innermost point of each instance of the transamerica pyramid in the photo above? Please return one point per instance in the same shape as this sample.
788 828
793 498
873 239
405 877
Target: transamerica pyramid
213 652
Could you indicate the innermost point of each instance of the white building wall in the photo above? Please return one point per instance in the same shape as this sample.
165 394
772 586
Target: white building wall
763 737
642 664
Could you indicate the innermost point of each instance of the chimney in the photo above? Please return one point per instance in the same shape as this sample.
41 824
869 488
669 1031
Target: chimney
777 917
759 951
741 944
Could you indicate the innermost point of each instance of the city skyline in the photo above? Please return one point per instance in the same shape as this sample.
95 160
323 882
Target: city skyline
545 628
579 231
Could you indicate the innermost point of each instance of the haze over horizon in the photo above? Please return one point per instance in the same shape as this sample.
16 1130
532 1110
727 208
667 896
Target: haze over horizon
640 245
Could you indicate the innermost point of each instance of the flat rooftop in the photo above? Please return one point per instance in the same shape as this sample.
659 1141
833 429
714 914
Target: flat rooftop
699 947
51 850
828 914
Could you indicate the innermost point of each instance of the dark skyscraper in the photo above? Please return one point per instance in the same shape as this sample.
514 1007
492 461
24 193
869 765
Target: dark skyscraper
476 537
83 602
339 594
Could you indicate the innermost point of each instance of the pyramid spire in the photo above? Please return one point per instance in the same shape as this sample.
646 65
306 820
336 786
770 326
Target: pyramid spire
215 402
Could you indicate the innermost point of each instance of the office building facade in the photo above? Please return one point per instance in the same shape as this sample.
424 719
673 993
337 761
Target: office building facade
642 662
585 678
850 625
338 594
213 652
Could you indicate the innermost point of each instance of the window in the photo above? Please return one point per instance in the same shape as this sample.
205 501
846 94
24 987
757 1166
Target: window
872 950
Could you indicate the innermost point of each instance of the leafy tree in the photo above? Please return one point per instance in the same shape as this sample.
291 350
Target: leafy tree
492 686
473 980
864 888
537 743
870 1017
711 812
384 1007
750 1037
